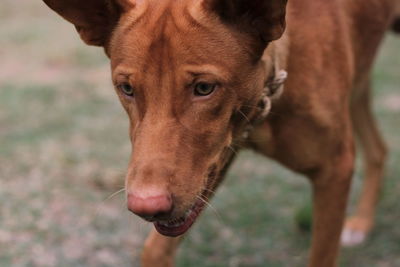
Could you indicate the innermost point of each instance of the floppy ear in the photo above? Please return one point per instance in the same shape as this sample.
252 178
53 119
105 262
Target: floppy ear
93 19
264 19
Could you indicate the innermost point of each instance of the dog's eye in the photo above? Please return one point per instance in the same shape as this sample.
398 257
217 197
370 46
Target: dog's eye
127 89
204 89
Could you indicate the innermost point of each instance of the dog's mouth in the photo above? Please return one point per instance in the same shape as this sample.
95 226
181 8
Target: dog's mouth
179 226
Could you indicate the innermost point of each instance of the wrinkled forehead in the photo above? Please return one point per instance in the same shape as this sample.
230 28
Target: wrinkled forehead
175 32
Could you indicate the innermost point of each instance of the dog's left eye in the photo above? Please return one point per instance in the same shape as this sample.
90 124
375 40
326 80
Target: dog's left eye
127 89
204 89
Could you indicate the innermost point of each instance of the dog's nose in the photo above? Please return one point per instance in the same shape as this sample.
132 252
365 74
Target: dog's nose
150 205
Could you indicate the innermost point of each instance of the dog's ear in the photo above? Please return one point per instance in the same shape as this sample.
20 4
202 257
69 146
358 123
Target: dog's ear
93 19
264 19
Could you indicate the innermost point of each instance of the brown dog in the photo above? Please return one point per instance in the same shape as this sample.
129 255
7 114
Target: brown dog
196 78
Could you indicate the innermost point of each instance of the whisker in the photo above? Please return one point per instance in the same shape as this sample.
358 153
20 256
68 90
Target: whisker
114 194
239 144
209 190
211 207
97 210
233 150
244 115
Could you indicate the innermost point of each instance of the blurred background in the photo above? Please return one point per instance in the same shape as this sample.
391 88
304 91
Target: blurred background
64 148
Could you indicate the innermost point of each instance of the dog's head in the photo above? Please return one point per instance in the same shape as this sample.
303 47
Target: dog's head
189 74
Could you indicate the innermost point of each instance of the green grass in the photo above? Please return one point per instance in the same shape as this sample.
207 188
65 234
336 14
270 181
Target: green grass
64 149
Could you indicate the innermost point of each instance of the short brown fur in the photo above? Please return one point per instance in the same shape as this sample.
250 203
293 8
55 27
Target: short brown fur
183 144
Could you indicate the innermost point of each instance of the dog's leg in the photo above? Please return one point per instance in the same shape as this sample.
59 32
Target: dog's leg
328 161
330 192
358 226
159 250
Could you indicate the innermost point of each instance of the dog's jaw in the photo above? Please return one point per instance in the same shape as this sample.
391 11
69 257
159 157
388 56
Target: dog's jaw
179 226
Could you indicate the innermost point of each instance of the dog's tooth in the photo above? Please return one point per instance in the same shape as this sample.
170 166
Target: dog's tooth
187 213
179 223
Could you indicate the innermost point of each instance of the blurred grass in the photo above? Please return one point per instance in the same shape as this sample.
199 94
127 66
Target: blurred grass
64 148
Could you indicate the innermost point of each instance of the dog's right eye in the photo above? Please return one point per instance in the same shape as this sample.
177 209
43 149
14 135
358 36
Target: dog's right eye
204 89
127 89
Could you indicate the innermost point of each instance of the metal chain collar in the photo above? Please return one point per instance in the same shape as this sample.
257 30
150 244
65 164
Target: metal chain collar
273 89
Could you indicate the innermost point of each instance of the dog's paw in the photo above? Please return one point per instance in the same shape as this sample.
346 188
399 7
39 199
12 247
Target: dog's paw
351 237
355 231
